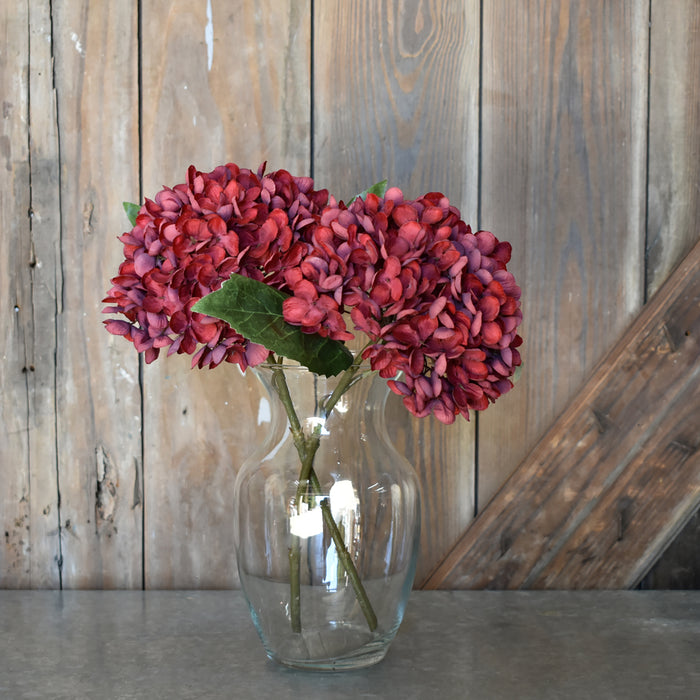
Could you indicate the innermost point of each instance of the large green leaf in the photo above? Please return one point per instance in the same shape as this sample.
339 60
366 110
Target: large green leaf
254 310
132 211
378 188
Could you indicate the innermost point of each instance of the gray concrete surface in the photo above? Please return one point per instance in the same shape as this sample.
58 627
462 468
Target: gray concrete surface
488 645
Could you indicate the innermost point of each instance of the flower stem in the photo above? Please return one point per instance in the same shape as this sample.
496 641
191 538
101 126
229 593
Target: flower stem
348 564
308 484
295 585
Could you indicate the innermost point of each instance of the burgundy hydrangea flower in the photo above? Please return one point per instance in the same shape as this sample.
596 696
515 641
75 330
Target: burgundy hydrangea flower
435 299
189 240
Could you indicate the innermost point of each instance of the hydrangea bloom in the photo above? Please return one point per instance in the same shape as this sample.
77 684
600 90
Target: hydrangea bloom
434 298
189 240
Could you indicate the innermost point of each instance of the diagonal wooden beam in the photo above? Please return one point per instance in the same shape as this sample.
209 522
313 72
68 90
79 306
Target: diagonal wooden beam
617 475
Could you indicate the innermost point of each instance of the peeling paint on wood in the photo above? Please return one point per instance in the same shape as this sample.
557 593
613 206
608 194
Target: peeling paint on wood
105 492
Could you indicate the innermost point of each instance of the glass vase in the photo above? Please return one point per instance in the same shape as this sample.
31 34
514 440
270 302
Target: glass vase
327 522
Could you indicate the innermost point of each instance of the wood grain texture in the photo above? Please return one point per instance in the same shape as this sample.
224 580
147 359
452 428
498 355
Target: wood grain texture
29 552
396 97
97 393
674 183
15 560
563 178
615 478
396 90
533 118
674 136
233 83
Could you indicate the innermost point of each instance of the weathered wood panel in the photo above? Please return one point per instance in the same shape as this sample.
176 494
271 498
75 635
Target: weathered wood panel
674 136
396 96
232 82
553 93
563 177
15 560
97 392
30 552
605 490
673 205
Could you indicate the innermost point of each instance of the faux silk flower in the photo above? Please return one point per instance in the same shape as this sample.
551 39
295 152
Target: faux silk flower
435 299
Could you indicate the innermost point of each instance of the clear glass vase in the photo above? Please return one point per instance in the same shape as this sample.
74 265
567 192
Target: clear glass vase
327 522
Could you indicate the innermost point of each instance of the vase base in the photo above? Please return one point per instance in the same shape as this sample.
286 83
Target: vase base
365 657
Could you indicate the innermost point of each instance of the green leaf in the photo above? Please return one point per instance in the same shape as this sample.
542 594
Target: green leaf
378 188
516 374
254 309
132 211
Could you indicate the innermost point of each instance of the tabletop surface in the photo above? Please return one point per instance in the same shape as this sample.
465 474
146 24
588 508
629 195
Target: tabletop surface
452 644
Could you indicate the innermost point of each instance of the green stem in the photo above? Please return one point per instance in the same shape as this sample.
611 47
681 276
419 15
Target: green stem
307 446
349 565
295 585
280 384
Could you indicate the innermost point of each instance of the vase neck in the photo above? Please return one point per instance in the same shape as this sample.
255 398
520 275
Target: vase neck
324 403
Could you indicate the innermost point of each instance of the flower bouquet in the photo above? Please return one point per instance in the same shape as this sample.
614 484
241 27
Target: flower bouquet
262 270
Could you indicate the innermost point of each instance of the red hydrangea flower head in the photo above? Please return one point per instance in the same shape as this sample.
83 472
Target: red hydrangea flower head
435 299
189 239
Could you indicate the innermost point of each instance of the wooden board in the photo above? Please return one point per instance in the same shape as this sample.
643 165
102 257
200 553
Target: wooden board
30 551
674 136
241 95
674 181
97 392
15 558
618 474
563 167
396 96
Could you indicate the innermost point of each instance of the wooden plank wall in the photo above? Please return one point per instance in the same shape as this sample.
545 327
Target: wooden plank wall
569 128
